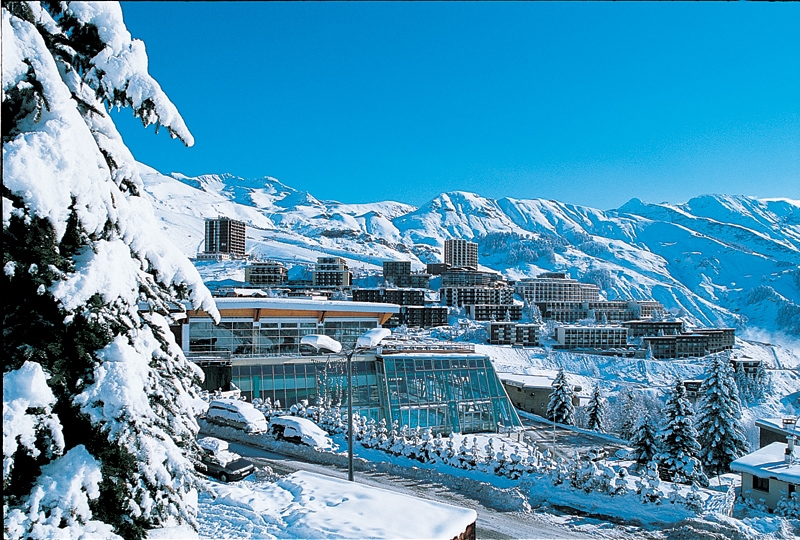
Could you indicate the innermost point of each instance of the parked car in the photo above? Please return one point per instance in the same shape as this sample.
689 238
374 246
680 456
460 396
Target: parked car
238 414
299 430
217 461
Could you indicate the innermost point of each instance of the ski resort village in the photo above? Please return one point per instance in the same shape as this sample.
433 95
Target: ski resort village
212 356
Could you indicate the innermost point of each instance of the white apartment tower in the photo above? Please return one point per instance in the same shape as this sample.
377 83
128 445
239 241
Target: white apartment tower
461 253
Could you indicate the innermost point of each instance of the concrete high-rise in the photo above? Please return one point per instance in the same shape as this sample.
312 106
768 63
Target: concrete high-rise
461 254
225 235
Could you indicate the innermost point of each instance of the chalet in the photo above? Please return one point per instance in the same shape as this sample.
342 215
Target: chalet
770 473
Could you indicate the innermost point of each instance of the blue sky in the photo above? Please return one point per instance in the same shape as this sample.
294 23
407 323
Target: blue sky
587 103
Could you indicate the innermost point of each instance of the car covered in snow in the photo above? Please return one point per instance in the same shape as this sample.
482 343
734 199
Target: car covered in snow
238 414
300 430
217 461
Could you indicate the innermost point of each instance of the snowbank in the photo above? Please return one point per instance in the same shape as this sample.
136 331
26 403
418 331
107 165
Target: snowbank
308 505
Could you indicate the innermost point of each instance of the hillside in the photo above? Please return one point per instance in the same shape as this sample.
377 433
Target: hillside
716 259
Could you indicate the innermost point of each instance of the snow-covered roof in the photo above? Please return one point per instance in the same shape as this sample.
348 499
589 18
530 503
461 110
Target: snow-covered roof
542 380
776 424
304 305
769 462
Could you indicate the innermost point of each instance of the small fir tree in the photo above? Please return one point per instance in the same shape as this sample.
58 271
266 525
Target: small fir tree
721 437
630 411
678 440
596 410
643 441
560 408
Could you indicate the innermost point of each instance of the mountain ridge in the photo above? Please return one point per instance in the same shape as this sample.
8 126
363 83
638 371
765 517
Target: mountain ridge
715 259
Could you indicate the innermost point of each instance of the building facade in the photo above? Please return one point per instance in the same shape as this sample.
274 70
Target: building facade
331 272
461 253
225 236
640 328
266 274
461 296
403 297
591 337
497 312
556 287
677 346
423 316
770 473
531 393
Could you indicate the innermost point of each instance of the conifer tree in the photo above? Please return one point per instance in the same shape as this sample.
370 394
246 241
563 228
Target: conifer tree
643 441
630 410
721 437
678 440
88 282
560 408
596 410
762 383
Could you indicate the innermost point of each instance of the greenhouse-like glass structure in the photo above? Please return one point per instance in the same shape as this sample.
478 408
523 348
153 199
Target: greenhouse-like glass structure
447 391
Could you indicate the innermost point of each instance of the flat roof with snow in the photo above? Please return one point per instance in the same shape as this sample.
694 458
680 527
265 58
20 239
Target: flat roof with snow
541 380
776 424
255 308
769 462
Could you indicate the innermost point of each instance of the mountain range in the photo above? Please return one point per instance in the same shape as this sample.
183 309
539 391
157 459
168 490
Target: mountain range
715 260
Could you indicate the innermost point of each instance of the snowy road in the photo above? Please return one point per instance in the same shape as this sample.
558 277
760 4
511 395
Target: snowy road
491 523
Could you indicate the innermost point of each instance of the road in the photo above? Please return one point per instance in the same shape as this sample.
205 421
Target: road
491 524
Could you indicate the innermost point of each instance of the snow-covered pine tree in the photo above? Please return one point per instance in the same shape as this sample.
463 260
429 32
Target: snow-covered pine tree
629 412
560 408
596 410
88 280
643 441
762 383
745 385
720 435
677 440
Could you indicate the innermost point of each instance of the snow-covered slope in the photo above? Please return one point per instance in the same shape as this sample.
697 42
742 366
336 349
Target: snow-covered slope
717 259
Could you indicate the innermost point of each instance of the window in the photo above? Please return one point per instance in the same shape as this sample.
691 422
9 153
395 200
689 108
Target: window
761 484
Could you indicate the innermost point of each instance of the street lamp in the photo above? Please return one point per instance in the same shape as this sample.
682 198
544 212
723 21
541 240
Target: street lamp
368 340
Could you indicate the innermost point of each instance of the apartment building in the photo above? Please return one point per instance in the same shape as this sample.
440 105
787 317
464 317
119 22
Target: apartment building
436 269
556 287
331 272
511 333
461 296
677 346
488 312
719 339
502 332
461 253
225 236
591 337
399 274
422 316
640 328
266 274
528 335
403 297
396 268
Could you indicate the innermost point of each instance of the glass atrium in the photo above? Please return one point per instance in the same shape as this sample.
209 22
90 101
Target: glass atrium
448 392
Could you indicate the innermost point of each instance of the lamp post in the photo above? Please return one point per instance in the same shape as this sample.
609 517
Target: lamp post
368 340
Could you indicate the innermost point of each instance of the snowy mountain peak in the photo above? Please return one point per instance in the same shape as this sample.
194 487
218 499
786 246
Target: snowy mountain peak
716 259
